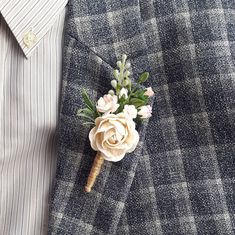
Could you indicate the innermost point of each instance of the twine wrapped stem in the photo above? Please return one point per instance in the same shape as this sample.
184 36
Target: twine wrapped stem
95 170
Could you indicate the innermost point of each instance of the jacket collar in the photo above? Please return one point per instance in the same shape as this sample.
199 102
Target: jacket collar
30 20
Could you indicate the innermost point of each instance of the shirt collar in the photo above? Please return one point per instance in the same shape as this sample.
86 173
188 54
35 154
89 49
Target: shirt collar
30 20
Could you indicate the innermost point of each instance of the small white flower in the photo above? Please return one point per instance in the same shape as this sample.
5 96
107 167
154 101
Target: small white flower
124 57
127 73
125 82
116 73
111 92
145 111
149 92
114 84
119 64
124 92
128 65
107 104
130 110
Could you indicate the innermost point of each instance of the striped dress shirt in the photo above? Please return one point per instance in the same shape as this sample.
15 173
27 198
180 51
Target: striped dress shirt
31 40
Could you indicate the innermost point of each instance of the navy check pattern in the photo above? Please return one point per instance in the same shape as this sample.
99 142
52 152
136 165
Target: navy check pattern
181 178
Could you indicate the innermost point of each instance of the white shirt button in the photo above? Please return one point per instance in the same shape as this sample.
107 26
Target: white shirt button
30 39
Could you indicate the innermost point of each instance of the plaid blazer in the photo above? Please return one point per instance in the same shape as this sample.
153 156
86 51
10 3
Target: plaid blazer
181 178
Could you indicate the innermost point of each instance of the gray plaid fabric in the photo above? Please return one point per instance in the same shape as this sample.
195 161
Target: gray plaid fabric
181 178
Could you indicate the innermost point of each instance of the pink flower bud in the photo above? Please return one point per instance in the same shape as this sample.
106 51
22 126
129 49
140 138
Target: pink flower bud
145 111
149 92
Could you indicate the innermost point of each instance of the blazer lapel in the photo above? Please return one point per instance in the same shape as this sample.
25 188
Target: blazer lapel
96 34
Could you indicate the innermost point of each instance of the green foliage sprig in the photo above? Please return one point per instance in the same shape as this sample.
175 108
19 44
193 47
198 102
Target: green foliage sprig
127 92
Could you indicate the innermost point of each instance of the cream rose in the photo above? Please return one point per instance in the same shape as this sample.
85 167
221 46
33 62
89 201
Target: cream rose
114 135
107 103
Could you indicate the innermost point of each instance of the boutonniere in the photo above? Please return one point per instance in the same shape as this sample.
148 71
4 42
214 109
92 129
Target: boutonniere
114 117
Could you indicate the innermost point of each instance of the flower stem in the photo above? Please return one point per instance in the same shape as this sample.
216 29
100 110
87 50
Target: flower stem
95 170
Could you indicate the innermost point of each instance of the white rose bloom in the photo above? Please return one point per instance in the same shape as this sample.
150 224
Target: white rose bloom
130 110
124 92
107 104
114 135
145 111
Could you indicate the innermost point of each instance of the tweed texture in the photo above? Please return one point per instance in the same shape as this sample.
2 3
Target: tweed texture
180 179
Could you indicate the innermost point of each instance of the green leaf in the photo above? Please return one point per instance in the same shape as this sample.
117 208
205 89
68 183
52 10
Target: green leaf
89 103
85 116
87 112
89 123
143 77
139 92
137 102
